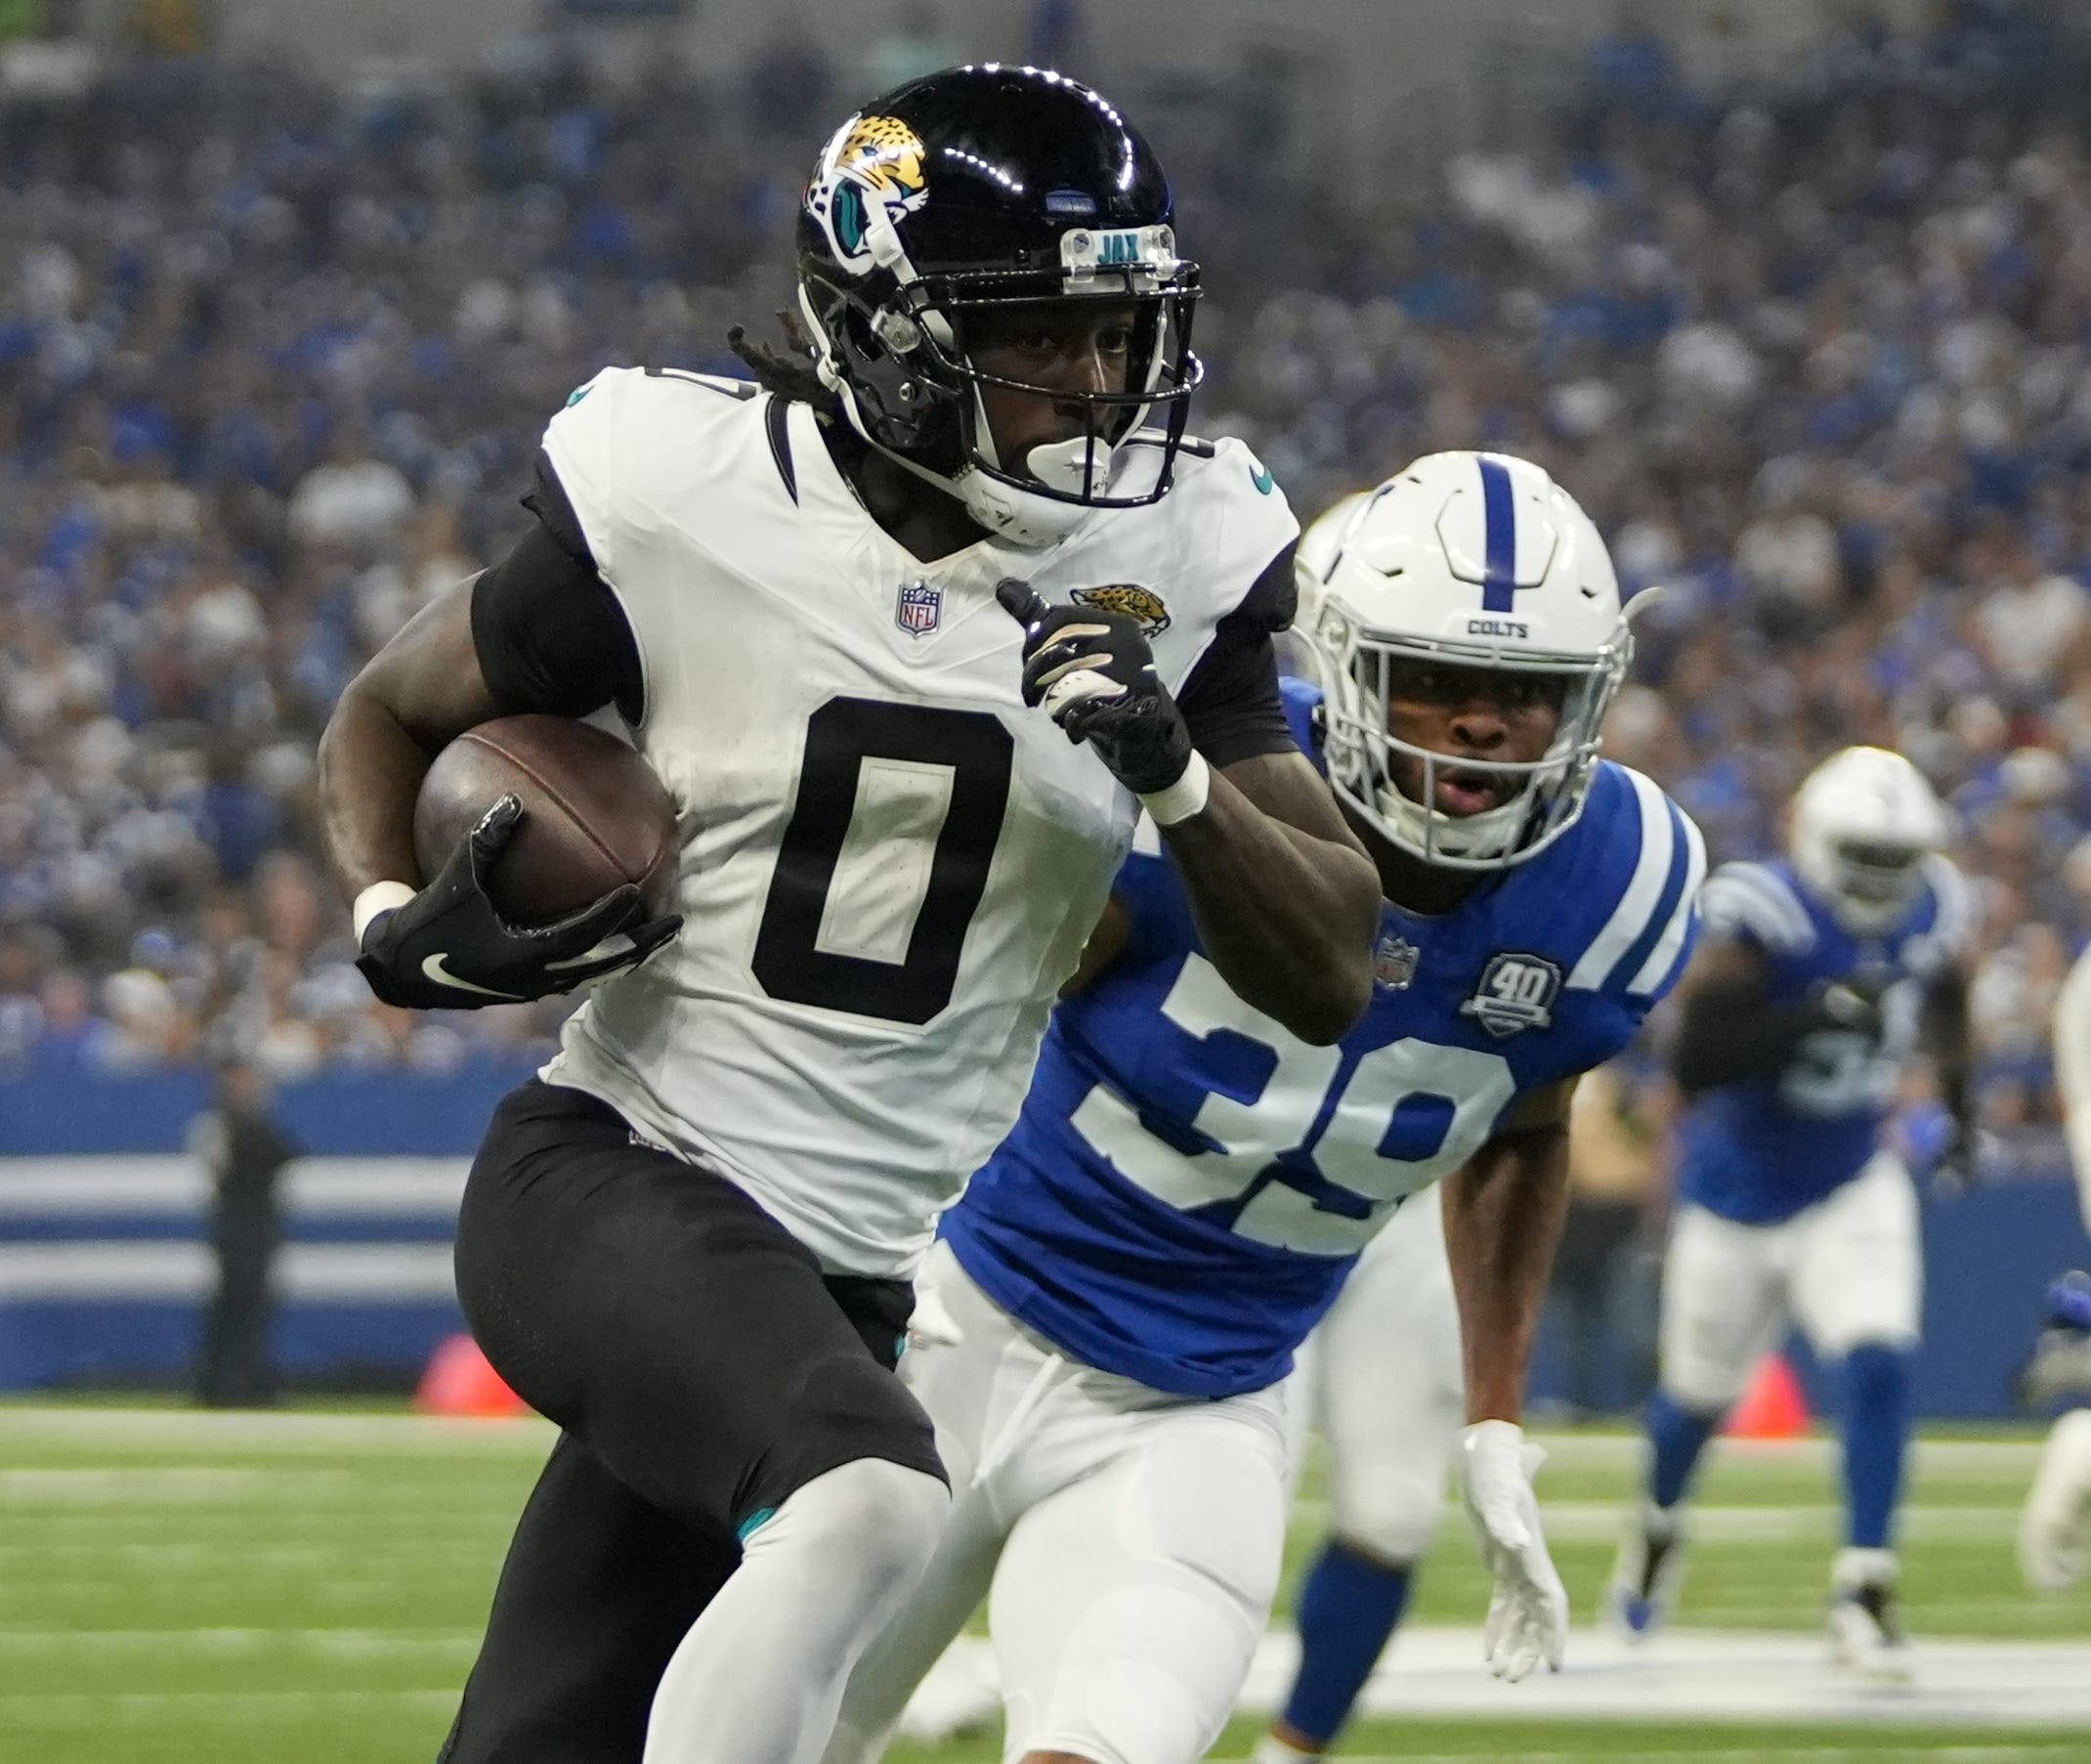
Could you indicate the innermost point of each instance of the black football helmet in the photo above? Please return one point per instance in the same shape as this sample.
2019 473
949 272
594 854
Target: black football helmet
986 187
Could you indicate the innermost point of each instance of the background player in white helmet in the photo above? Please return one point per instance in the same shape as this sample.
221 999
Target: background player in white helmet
2055 1527
1818 978
1119 1294
689 1242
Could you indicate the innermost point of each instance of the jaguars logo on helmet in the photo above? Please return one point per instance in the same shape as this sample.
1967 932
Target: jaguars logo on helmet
1141 605
871 160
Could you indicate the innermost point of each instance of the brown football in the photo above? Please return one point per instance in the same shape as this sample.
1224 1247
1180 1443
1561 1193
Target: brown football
594 816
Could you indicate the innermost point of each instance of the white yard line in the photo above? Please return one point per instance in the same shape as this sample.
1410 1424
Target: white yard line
98 1710
220 1431
17 1646
1584 1522
1742 1676
1626 1752
1957 1457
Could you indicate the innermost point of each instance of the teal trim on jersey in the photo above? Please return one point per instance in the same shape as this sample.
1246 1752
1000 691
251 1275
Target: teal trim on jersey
578 393
760 1516
1259 476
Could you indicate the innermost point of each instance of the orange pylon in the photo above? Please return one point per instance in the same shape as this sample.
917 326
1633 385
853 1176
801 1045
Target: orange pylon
459 1382
1772 1405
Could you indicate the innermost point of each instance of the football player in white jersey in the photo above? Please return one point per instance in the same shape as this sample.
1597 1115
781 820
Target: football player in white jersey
1112 1310
912 631
2055 1528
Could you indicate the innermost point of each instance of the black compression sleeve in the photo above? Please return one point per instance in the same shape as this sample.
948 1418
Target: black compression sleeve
550 634
1230 702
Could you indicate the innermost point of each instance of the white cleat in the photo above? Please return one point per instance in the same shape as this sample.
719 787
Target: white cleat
961 1696
1865 1634
2055 1527
1646 1574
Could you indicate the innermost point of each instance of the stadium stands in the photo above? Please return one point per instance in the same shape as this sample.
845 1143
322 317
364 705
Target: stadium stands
272 360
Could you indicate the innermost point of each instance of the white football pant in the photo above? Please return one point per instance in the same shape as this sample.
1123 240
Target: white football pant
1847 1271
1382 1382
1128 1543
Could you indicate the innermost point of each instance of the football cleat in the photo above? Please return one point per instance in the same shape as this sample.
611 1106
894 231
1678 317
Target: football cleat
1646 1574
2055 1527
1866 1633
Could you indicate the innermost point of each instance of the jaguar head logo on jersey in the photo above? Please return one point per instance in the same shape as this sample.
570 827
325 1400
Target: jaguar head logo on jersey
1516 993
870 176
1466 568
1142 606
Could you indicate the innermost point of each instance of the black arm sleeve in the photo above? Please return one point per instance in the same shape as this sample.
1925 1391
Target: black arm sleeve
1731 1035
550 634
1230 702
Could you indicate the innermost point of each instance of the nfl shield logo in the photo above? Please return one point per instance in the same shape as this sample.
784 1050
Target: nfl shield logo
1394 962
921 606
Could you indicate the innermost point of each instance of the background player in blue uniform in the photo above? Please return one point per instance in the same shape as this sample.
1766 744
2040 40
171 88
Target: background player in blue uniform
1818 978
1105 1327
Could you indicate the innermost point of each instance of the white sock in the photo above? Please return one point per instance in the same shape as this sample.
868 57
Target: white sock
1271 1749
1854 1567
759 1677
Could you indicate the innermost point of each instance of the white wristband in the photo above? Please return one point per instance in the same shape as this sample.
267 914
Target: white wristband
378 898
1183 799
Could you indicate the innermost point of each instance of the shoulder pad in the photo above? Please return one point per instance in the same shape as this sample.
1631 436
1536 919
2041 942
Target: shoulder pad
634 439
1229 518
1757 903
1639 863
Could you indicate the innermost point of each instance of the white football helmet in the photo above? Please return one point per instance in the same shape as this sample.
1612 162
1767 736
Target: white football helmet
1864 822
1474 560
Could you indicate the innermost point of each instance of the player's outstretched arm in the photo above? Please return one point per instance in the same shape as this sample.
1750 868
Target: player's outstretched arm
1285 898
1502 1218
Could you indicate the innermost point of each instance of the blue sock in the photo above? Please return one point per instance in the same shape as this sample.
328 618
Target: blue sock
1876 1432
1347 1609
1677 1435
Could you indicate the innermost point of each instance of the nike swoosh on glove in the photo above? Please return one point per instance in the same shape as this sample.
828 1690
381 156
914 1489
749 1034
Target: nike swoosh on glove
447 949
1094 674
1528 1609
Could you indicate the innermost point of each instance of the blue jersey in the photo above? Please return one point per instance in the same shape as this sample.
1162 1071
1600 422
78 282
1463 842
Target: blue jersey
1761 1151
1189 1182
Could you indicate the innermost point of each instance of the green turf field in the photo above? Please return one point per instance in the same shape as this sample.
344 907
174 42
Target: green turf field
308 1587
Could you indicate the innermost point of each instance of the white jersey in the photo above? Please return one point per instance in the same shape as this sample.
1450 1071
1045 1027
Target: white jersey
889 864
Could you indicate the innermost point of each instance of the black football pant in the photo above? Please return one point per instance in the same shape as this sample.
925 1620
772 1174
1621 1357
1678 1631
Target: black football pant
700 1368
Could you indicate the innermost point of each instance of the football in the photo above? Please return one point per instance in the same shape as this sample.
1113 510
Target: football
594 816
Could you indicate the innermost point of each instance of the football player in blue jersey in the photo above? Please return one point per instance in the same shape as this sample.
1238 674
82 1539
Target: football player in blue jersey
1820 976
1106 1325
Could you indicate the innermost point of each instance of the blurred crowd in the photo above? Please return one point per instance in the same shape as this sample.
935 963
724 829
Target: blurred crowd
273 361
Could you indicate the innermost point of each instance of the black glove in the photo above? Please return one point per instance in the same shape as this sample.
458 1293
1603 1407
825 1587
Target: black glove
1094 674
1852 1004
447 949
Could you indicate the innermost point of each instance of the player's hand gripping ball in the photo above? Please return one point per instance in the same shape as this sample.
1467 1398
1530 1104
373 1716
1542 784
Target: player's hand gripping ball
449 948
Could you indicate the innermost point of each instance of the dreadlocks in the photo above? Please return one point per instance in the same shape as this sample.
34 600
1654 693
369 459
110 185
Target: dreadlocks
789 373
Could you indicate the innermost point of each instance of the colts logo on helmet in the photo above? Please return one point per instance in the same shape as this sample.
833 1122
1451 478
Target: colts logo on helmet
1142 606
873 161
